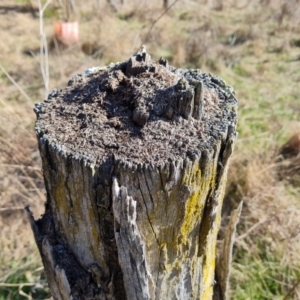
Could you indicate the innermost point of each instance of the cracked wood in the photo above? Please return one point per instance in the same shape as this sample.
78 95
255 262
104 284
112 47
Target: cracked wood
135 158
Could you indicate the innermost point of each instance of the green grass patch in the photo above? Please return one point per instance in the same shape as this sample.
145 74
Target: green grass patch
24 283
23 279
262 277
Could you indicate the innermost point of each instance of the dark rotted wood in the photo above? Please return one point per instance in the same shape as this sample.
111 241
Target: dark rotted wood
135 158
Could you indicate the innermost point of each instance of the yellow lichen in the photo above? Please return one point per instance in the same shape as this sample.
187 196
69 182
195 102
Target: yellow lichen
194 206
210 251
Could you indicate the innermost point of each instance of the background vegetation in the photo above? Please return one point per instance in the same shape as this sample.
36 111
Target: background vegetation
254 45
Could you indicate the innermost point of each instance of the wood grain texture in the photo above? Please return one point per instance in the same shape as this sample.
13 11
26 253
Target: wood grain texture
224 258
135 223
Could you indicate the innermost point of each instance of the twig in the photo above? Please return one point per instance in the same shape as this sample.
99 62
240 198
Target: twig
292 289
15 84
251 229
11 208
20 167
9 144
134 42
18 284
44 48
154 22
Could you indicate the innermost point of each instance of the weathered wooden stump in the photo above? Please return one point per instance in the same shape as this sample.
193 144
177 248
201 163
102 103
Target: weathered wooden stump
135 159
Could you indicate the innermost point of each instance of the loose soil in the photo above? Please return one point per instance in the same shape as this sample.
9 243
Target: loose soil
107 111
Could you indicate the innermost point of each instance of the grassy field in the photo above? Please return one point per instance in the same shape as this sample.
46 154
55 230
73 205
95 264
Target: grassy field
253 45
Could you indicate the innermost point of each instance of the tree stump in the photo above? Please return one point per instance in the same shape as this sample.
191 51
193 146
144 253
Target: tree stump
135 158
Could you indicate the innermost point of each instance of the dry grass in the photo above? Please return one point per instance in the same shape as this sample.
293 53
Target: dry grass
21 181
21 184
269 230
251 44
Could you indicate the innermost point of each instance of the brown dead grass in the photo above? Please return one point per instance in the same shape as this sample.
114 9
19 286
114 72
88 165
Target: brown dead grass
21 182
269 228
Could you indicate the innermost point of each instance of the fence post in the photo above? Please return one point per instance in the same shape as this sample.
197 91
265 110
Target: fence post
135 158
